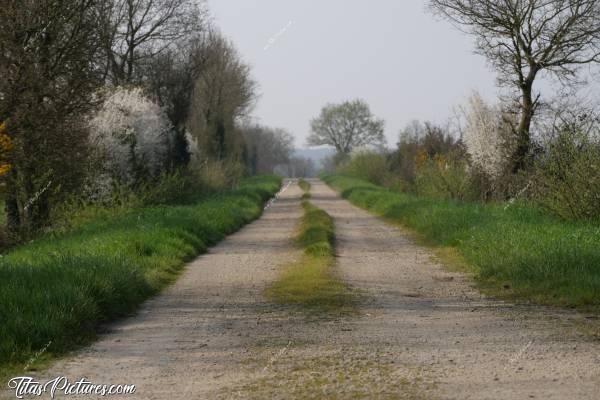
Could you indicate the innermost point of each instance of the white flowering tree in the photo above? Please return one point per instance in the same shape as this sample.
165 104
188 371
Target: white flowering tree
131 132
487 136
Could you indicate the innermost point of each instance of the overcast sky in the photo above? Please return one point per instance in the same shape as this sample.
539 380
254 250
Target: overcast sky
393 53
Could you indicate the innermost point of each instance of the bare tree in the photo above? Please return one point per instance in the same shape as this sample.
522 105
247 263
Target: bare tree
48 50
135 31
266 148
301 167
522 38
170 78
346 126
224 92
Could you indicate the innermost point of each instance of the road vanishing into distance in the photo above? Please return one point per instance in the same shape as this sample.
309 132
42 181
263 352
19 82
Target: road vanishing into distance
421 332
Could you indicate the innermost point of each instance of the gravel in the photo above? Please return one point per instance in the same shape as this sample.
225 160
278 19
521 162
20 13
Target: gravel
420 333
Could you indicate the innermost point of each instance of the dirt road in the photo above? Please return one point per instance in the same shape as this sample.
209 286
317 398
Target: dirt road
421 333
467 346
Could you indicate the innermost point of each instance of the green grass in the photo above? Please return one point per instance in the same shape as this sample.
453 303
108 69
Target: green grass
57 290
304 185
518 252
312 283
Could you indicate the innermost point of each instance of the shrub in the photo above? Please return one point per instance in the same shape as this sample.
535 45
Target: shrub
418 143
217 176
567 177
176 188
367 165
6 146
445 177
490 142
190 184
131 135
185 186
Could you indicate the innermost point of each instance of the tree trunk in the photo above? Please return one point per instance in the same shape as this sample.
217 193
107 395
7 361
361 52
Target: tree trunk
38 213
254 160
521 155
220 133
130 61
11 209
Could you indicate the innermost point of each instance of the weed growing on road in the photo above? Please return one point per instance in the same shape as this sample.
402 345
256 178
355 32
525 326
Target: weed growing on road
305 186
347 374
312 283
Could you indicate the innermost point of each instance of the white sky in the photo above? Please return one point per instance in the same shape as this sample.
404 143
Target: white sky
403 61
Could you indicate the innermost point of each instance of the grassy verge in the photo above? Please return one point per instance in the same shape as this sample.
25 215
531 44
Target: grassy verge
517 251
311 283
54 292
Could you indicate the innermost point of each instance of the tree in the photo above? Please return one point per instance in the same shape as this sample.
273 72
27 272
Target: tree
488 137
223 93
346 126
266 148
403 159
48 54
522 38
132 135
135 31
170 78
157 44
300 167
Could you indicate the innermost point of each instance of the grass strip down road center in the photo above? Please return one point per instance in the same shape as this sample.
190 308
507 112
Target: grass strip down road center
311 283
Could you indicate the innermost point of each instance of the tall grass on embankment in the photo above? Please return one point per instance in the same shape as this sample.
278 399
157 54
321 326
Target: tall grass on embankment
312 283
517 251
54 292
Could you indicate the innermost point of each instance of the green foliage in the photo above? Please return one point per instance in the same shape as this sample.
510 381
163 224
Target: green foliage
445 177
346 126
47 85
367 165
304 185
59 288
316 235
186 186
221 175
567 179
419 141
373 167
533 254
176 188
311 283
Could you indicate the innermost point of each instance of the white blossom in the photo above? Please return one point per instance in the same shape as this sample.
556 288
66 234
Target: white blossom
127 127
486 136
